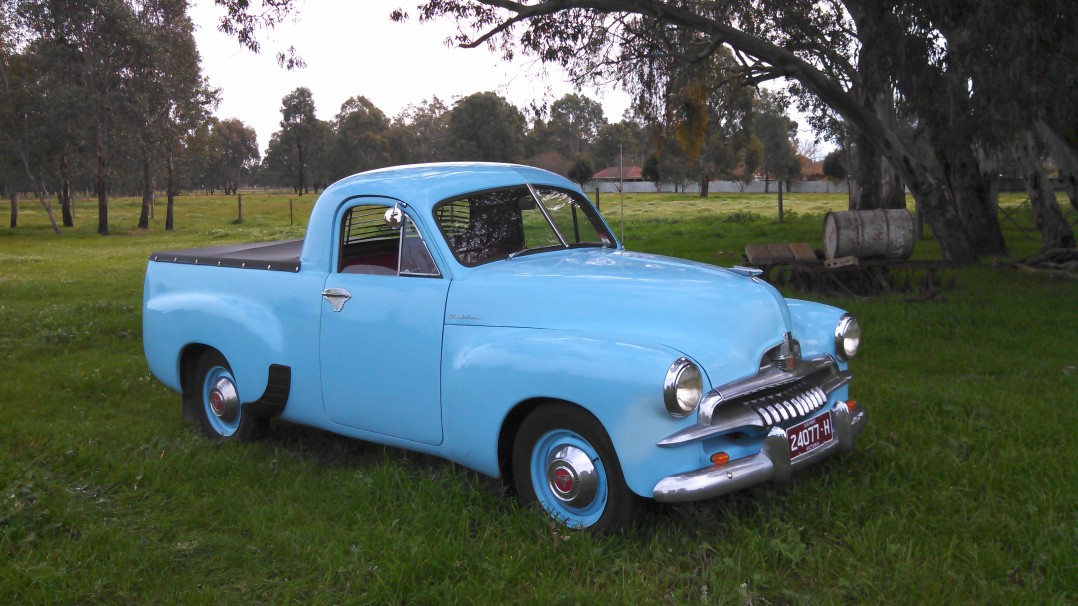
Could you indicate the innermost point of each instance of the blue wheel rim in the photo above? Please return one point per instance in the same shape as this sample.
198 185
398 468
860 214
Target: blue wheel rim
219 425
580 517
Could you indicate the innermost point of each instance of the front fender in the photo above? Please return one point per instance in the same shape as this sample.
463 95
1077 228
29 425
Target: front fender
487 371
814 327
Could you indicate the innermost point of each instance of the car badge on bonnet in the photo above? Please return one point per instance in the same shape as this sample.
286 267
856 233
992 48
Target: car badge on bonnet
789 353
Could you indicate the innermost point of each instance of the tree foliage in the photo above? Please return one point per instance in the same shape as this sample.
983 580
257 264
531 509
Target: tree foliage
929 52
487 128
297 129
582 170
110 85
834 165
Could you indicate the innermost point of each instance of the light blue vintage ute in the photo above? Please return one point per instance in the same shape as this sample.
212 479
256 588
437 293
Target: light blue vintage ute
485 313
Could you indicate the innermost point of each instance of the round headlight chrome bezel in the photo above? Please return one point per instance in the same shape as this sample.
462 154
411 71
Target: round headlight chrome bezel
847 337
683 388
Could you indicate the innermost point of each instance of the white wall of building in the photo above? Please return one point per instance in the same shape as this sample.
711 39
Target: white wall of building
719 187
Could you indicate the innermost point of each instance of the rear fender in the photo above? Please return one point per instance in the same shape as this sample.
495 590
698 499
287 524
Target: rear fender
246 334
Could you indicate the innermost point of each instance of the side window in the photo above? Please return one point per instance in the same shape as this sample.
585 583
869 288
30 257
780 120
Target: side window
415 259
370 246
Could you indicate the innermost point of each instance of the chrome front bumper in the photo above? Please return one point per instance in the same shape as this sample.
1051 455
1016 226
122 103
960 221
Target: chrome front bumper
772 463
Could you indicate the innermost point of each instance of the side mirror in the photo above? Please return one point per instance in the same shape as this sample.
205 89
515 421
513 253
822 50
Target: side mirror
394 217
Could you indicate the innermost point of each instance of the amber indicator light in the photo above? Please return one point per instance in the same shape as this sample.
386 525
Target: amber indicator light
720 458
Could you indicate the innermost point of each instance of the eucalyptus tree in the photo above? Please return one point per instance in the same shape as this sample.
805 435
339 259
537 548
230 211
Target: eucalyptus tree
705 110
322 154
776 131
235 145
618 142
422 132
297 126
277 167
171 96
361 141
94 38
23 113
574 122
485 127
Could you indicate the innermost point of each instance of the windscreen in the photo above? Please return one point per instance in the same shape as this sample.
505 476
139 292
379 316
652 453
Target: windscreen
504 223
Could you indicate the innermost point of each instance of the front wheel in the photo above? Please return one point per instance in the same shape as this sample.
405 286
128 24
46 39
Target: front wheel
217 405
563 459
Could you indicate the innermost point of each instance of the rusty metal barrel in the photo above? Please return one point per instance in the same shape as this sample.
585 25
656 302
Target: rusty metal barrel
886 234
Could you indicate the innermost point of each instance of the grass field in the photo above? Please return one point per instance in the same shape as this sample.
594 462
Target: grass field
963 489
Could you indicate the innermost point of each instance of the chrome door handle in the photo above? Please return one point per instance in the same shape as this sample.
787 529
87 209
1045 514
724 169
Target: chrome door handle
337 296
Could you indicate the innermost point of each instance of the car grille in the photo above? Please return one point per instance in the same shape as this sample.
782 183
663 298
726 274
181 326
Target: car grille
794 403
772 397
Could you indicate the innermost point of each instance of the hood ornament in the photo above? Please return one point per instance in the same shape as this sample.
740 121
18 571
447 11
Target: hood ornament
789 353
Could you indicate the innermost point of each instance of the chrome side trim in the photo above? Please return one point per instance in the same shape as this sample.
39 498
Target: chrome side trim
772 463
748 272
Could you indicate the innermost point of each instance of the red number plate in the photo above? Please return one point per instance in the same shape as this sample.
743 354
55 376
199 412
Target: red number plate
809 435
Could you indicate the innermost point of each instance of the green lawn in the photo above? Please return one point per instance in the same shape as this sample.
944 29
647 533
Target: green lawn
963 489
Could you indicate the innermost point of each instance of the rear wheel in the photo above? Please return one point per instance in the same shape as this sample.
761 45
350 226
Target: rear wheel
217 405
563 460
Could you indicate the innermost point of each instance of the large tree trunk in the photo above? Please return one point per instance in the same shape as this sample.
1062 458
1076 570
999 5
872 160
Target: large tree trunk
877 185
967 188
1055 233
65 194
102 195
38 193
170 192
147 193
299 149
779 182
705 184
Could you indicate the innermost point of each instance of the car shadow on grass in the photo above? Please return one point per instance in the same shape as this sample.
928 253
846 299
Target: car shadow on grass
762 504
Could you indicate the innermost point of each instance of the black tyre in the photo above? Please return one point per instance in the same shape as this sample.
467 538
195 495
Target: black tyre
563 460
213 399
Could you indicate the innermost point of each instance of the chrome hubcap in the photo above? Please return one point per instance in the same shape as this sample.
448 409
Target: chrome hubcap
571 476
224 401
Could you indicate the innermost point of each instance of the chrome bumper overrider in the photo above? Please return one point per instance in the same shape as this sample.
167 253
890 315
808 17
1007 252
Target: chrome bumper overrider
772 463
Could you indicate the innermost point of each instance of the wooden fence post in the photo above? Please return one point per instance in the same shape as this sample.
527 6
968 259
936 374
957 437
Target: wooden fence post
239 205
14 209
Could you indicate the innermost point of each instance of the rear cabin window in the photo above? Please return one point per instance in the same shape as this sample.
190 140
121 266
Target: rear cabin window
370 246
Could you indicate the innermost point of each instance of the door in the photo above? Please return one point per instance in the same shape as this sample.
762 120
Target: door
381 333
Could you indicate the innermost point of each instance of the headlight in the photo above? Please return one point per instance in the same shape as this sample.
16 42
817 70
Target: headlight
683 388
847 337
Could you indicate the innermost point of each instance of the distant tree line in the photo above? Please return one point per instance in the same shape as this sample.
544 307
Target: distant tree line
571 137
106 97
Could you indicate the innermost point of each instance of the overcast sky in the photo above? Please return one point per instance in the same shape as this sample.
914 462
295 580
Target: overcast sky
352 48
